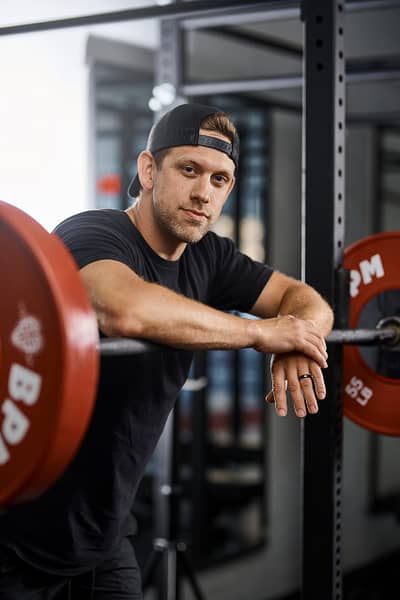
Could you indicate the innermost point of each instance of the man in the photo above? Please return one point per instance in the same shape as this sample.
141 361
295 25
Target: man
157 272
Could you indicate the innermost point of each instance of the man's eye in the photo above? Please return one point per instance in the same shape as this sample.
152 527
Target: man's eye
188 169
220 178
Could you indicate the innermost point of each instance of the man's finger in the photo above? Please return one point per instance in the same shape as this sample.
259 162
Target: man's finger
309 392
296 390
279 386
319 383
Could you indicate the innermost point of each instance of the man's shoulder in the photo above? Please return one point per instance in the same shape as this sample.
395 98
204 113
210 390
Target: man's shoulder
92 217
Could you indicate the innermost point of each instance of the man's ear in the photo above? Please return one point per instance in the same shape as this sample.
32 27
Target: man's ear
146 166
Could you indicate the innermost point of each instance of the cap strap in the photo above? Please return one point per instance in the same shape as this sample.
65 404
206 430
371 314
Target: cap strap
216 143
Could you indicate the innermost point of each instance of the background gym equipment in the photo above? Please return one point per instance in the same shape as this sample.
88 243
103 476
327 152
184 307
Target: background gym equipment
50 352
169 557
371 376
48 357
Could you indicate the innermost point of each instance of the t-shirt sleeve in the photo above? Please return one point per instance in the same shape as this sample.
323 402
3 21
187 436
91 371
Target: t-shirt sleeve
238 280
89 237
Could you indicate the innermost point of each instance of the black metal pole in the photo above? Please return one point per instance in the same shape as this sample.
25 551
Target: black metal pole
167 11
322 249
389 336
364 337
121 346
212 10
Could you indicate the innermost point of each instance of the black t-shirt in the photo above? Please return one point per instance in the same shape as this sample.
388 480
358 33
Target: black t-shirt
80 520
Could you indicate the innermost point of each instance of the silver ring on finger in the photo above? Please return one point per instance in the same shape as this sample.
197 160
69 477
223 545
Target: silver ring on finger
306 376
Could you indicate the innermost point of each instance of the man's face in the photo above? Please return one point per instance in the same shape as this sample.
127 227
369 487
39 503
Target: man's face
190 190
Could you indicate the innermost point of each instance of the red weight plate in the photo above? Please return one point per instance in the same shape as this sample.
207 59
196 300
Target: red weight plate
371 399
48 361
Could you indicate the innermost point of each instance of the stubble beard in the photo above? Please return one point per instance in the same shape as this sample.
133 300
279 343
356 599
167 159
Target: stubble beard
189 233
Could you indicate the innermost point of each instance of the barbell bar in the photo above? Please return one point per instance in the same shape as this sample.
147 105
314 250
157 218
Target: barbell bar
125 346
50 354
386 333
387 336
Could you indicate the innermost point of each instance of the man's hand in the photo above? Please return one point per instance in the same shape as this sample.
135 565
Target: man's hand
285 372
290 334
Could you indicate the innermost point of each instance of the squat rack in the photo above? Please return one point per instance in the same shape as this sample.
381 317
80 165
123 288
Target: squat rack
323 177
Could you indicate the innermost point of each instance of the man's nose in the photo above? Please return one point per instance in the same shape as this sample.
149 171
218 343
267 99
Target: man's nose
202 189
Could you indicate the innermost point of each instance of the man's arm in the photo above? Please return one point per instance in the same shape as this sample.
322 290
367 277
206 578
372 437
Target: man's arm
284 295
126 305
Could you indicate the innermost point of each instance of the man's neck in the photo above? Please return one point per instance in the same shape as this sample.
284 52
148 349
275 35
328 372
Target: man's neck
144 222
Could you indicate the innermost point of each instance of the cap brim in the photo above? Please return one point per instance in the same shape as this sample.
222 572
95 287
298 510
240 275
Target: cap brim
134 187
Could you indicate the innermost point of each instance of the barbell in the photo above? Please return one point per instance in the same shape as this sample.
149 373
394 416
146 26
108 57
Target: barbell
50 353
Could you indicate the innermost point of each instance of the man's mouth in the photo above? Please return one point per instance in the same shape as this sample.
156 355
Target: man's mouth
196 215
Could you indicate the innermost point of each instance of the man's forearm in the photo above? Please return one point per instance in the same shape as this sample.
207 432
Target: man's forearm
306 303
128 306
170 318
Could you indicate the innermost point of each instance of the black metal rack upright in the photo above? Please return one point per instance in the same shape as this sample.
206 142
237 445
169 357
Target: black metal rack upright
323 220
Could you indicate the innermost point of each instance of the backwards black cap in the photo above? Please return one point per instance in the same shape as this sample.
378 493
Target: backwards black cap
180 127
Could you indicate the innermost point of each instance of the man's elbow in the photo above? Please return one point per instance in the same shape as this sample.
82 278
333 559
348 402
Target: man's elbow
119 323
330 319
327 316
